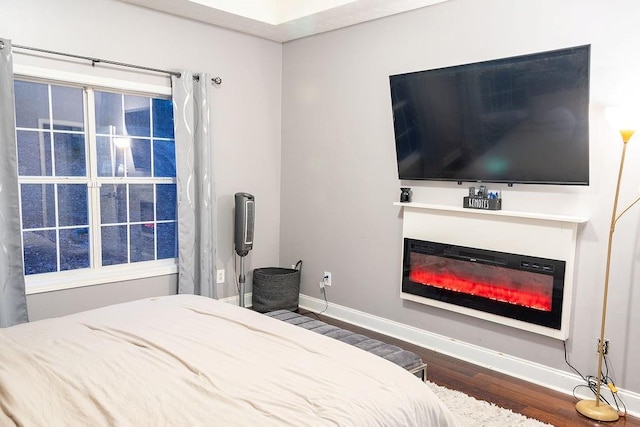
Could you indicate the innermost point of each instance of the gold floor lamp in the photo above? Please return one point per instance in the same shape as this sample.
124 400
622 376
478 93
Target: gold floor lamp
626 123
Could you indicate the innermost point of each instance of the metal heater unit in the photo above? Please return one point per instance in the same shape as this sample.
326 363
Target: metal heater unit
244 226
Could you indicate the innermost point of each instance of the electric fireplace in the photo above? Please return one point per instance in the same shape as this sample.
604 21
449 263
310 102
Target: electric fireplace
521 287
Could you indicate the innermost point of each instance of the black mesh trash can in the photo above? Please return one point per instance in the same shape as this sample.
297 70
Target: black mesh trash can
276 288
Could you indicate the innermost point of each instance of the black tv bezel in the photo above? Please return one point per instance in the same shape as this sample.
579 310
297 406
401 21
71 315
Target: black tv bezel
492 62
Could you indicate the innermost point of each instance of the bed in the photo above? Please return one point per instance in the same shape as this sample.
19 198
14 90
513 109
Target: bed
194 361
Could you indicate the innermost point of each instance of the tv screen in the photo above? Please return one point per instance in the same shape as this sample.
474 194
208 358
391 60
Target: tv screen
523 119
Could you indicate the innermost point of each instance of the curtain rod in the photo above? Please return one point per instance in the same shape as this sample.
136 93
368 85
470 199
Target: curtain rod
94 61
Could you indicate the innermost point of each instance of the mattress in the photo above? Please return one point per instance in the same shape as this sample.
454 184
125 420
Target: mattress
192 361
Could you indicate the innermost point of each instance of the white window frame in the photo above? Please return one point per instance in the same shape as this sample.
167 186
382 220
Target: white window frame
54 281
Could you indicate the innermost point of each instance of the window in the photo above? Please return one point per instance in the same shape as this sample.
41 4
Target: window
97 175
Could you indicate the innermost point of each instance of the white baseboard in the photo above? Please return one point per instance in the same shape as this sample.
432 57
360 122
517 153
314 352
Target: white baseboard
536 373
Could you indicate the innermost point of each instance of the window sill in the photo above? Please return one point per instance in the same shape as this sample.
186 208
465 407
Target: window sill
50 282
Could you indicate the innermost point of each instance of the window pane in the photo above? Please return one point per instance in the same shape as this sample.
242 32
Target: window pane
68 106
164 158
137 115
110 157
32 105
141 202
167 240
74 248
70 154
142 244
134 138
109 117
166 205
40 252
38 206
141 156
113 203
114 245
162 118
34 153
72 204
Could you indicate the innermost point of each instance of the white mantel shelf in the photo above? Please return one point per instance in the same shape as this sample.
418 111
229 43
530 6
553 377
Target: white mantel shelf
515 214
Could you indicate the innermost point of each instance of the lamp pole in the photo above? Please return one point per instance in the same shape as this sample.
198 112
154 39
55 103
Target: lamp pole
589 408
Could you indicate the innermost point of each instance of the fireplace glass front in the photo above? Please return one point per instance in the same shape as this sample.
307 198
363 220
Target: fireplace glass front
517 286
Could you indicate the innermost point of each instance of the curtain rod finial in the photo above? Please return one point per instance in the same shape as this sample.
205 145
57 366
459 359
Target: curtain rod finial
217 80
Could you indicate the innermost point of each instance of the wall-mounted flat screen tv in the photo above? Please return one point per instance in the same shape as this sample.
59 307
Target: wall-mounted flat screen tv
522 119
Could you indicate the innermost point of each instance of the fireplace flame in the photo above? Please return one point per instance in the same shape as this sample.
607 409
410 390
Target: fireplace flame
494 291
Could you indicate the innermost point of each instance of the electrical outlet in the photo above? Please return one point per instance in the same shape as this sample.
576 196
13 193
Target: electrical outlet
327 281
220 276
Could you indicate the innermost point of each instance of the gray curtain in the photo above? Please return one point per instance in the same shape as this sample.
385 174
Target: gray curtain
196 210
13 302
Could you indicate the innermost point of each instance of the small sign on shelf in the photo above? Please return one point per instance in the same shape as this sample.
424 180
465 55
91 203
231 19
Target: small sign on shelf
482 199
482 203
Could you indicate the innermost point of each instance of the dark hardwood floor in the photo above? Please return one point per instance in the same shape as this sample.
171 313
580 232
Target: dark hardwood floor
508 392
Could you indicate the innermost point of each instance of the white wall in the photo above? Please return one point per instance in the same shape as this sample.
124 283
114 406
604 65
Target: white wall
245 118
339 177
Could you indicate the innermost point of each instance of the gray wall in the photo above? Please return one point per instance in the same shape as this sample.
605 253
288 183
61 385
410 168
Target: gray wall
339 176
53 304
245 118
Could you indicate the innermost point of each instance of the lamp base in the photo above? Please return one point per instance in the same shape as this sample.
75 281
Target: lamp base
601 412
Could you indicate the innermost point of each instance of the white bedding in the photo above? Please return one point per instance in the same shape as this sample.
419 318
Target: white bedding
193 361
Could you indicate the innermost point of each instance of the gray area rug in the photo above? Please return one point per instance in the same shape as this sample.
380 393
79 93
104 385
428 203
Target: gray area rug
478 413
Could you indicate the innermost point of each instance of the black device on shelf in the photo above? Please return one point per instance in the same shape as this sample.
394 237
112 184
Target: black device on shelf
522 119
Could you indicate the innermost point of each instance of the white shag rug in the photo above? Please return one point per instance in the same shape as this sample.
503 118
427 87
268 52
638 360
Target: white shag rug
478 413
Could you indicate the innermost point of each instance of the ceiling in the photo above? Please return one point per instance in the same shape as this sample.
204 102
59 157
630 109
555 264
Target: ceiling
283 20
